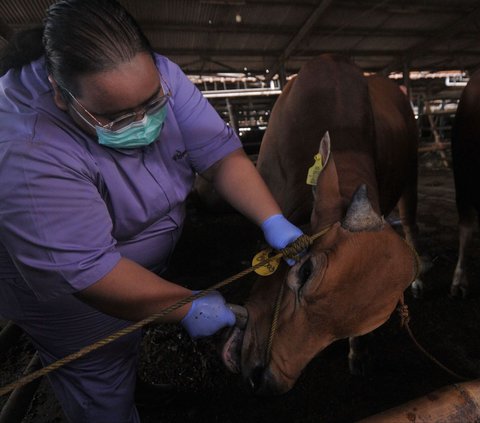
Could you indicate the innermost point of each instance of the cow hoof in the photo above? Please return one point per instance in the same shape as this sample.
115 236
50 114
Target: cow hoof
459 291
360 366
426 263
417 289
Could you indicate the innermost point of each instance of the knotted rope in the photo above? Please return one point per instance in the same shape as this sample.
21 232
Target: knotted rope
402 309
404 313
291 251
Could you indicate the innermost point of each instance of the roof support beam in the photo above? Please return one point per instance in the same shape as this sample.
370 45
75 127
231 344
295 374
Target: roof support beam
305 54
424 47
302 32
412 7
283 30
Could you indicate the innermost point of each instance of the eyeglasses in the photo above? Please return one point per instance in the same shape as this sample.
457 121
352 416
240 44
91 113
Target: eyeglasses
121 122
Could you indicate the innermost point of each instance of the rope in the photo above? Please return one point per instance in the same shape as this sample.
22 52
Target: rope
290 251
404 322
273 327
402 310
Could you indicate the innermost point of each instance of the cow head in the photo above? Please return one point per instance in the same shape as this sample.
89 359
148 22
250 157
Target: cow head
347 284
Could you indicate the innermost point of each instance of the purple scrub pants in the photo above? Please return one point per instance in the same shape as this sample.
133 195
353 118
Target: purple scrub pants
98 388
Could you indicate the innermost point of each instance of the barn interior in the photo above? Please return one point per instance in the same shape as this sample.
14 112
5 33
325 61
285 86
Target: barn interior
240 54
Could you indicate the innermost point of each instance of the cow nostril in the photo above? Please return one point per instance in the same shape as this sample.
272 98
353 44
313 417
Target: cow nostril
256 378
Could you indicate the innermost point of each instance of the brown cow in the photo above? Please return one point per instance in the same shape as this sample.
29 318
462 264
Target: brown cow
352 278
466 169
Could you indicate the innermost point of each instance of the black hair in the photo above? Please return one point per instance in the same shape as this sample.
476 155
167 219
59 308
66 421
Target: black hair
81 37
22 48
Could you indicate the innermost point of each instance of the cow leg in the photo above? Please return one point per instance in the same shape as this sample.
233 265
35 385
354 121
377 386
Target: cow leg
466 226
407 207
359 360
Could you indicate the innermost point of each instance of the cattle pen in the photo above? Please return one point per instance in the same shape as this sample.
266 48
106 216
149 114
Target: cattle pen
446 327
241 54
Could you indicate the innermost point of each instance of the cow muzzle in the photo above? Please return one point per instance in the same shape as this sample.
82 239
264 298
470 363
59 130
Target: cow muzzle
241 314
232 346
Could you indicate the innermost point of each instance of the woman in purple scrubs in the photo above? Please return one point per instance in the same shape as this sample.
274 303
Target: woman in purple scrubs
100 141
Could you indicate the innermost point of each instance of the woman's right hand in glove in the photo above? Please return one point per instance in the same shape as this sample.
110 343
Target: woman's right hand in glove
207 315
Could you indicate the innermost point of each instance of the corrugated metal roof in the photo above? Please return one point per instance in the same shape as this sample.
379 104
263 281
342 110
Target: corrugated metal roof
217 35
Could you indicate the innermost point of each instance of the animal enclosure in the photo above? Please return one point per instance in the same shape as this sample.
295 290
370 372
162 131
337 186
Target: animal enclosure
217 245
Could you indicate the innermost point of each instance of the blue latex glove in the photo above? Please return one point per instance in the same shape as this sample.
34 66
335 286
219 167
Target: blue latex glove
207 315
279 232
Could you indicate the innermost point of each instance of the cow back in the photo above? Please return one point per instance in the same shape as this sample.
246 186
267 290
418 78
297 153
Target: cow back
328 94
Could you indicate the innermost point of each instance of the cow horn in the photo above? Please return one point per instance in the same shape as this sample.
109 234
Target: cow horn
360 215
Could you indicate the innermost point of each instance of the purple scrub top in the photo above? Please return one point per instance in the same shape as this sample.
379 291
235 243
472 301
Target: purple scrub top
70 208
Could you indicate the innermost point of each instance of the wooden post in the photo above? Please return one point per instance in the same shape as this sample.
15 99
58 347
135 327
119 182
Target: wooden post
406 81
436 134
231 116
282 75
454 403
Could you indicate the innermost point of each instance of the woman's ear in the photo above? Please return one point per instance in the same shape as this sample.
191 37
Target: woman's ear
57 95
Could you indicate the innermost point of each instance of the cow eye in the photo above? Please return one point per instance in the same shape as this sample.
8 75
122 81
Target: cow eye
305 272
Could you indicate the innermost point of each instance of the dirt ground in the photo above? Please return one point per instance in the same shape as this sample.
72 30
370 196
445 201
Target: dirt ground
215 246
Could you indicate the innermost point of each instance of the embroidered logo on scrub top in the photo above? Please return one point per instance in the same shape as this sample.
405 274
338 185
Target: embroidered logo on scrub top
179 155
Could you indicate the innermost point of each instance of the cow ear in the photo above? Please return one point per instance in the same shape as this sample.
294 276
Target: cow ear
321 161
327 181
324 148
328 203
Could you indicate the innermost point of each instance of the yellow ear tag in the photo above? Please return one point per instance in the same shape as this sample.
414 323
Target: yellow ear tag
268 268
315 170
